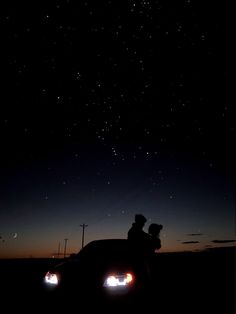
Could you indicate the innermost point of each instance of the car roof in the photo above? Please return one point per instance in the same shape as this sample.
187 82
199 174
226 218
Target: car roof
106 243
105 246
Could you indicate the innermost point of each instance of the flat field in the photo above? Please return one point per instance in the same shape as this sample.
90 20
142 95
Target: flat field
201 282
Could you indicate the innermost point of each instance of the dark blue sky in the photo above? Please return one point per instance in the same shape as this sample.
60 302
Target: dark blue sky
111 109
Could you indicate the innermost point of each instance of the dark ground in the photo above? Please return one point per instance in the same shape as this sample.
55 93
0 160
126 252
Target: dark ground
202 282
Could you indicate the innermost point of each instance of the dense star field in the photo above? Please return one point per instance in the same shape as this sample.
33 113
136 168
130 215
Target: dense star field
112 108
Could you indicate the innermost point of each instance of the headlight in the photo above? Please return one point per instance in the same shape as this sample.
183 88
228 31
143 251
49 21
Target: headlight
118 280
51 278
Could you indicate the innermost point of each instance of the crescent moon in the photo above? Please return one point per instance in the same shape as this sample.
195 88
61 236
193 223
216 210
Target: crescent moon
15 235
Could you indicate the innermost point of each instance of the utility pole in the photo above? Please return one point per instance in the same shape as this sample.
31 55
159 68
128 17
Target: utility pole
83 226
65 247
59 248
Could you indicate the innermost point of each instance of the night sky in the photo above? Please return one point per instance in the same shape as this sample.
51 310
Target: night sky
112 108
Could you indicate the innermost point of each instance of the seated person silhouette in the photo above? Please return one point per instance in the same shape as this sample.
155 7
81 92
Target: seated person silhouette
154 232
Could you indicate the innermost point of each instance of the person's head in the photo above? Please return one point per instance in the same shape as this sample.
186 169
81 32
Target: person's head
154 229
140 220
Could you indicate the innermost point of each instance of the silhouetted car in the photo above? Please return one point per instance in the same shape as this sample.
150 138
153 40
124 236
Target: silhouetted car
105 267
